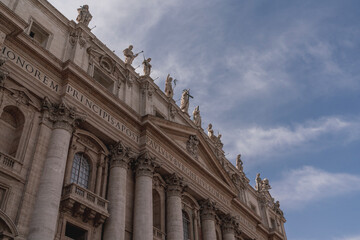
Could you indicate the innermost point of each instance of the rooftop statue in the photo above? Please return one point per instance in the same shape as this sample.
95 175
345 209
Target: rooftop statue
168 87
197 117
239 163
258 182
84 15
211 132
129 55
265 186
147 66
184 106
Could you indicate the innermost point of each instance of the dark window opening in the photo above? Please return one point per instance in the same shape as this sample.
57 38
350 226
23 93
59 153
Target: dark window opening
75 233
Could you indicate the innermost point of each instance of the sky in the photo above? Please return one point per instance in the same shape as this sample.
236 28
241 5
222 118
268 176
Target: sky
278 79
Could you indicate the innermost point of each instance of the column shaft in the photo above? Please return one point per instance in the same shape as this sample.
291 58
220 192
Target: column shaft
43 224
174 208
115 224
208 220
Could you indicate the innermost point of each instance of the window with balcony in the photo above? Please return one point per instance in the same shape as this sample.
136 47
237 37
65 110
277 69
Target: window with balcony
80 170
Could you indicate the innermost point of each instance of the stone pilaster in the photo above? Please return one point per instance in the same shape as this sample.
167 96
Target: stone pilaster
208 215
143 202
174 191
45 213
119 161
228 227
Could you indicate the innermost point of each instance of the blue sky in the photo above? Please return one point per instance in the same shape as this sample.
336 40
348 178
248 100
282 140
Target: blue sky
278 79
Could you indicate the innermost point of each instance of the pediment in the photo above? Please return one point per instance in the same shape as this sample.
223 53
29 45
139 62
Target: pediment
197 146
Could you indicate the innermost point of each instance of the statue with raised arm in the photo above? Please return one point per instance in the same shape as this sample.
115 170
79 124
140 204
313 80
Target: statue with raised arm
239 163
168 87
147 66
129 55
197 117
84 15
184 105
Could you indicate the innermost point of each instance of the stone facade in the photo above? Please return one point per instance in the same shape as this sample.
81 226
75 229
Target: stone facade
90 149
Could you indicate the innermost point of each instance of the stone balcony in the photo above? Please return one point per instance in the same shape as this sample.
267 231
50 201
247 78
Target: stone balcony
81 202
158 234
10 165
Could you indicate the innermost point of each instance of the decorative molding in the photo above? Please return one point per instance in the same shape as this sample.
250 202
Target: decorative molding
61 115
120 155
229 224
145 165
192 146
175 185
208 210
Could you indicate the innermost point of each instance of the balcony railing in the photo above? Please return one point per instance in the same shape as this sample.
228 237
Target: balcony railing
10 163
158 234
82 202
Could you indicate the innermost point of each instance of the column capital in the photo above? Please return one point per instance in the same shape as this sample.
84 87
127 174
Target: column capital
120 155
145 165
175 185
208 209
61 115
229 224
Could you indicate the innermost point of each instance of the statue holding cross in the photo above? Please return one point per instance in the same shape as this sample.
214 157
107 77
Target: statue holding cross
184 106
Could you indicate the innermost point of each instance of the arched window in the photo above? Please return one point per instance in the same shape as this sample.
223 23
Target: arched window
11 126
186 225
80 170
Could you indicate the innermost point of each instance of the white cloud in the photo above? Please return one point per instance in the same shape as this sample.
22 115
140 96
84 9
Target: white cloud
257 142
308 184
354 237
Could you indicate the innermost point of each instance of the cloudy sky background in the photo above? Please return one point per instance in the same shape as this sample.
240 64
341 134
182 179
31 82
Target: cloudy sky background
278 79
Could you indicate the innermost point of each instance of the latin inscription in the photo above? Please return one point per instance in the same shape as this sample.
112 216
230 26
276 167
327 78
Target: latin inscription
101 112
186 170
30 69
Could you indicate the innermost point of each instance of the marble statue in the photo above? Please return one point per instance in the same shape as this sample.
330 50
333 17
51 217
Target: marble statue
210 132
129 55
265 186
197 117
258 182
239 163
168 87
147 66
84 15
184 105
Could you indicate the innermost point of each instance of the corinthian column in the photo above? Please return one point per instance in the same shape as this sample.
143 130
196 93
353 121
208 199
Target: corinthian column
119 162
228 227
143 202
173 207
45 213
208 219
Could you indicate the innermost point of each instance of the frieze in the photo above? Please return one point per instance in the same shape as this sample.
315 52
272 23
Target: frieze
95 108
188 172
30 69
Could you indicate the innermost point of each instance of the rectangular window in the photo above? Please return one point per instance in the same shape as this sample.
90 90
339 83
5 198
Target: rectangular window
75 233
104 80
39 34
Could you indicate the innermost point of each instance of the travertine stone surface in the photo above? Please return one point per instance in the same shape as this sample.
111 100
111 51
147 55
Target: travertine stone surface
44 218
208 220
143 202
119 160
173 208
